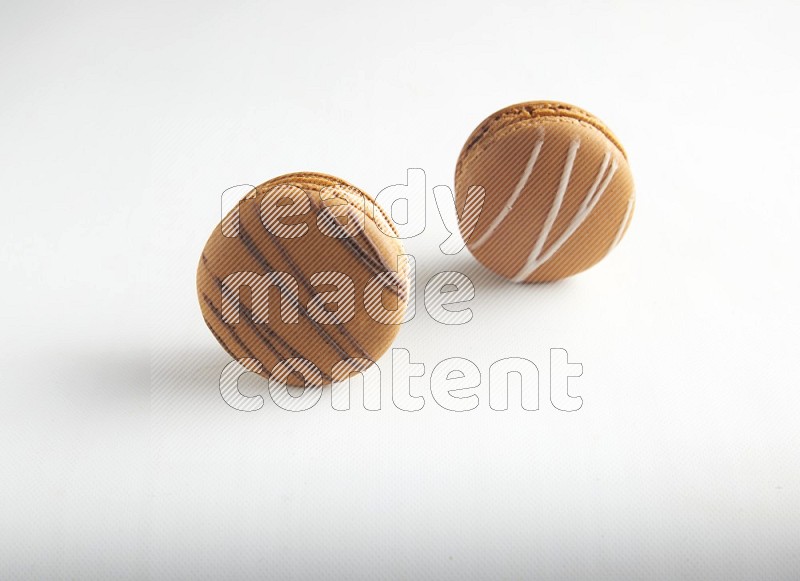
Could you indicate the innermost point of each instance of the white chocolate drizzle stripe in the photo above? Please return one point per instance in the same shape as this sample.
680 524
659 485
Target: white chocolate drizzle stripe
559 199
523 181
624 223
536 257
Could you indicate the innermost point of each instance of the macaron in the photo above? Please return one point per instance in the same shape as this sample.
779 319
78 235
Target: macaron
304 281
557 191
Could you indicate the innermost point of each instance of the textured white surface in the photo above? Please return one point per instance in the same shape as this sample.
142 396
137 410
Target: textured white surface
121 126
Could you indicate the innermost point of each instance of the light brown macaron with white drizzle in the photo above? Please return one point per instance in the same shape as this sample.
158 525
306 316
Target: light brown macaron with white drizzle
557 191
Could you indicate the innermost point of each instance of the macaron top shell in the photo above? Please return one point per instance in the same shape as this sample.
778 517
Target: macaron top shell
558 189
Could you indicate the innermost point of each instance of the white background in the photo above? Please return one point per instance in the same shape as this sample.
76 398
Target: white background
120 126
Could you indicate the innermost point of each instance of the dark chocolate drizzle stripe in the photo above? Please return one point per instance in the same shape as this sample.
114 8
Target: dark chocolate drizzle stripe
272 335
322 181
378 265
251 247
244 346
301 277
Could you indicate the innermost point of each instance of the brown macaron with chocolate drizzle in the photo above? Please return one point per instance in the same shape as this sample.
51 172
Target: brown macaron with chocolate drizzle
305 280
543 191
